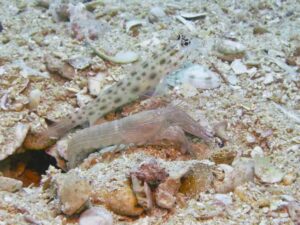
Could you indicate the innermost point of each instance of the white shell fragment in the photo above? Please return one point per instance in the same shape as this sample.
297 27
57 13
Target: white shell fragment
133 23
10 184
34 98
228 47
257 152
265 171
193 16
195 75
224 198
238 67
268 79
20 133
126 57
27 71
79 62
156 13
96 216
188 24
242 172
95 84
122 57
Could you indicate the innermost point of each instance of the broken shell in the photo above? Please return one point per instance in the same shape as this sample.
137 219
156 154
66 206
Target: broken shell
267 172
142 193
79 62
197 179
229 50
21 132
228 47
55 65
73 192
156 13
196 75
193 16
257 152
120 58
188 24
10 184
34 98
3 102
226 199
126 57
166 192
242 172
238 67
223 156
96 216
95 84
134 23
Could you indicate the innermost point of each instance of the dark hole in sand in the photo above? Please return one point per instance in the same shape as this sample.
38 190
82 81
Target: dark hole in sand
27 167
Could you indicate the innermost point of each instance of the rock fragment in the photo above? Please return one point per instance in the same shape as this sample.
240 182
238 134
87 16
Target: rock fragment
197 179
165 195
123 201
73 192
10 184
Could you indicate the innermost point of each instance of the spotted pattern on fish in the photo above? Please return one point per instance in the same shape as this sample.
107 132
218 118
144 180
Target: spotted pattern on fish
142 77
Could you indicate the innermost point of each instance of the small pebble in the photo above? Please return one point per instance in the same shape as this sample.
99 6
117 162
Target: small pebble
250 138
156 13
224 198
257 151
34 98
1 27
288 179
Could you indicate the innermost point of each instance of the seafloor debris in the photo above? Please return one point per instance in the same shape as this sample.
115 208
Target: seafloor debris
96 216
230 50
123 201
19 135
223 156
267 172
55 65
165 194
83 23
151 173
120 58
73 192
195 75
198 178
241 172
134 23
34 98
294 211
9 184
151 179
156 14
